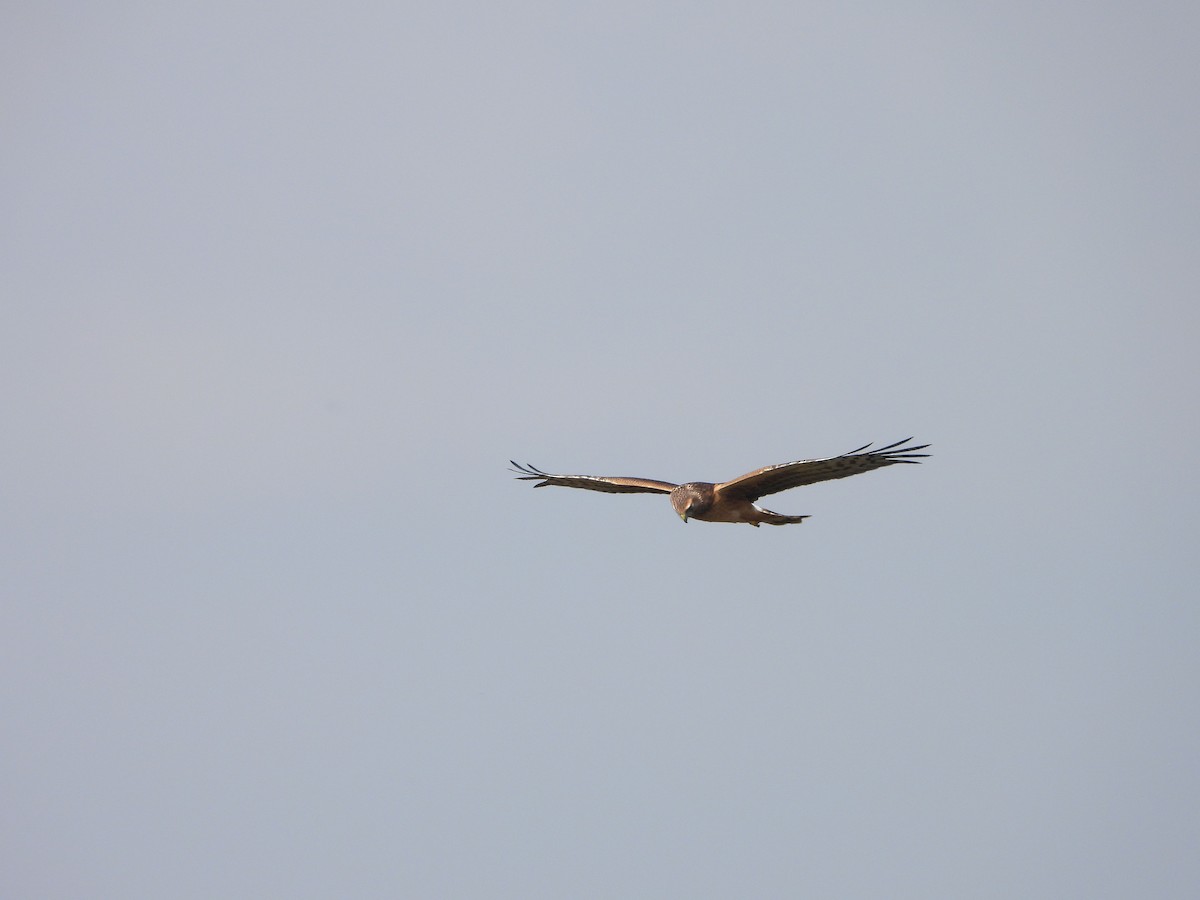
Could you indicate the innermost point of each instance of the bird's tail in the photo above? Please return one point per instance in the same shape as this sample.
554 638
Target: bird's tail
774 518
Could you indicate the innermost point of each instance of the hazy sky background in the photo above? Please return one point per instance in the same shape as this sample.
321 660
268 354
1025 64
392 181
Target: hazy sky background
286 285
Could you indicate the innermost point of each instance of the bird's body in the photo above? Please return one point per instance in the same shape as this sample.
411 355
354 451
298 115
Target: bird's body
700 500
733 501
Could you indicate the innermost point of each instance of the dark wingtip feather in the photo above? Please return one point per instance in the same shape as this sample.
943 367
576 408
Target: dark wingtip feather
529 472
526 473
896 452
895 445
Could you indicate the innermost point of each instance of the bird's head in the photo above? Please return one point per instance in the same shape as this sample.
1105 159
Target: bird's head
692 500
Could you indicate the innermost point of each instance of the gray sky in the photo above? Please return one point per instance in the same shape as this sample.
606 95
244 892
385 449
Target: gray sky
286 285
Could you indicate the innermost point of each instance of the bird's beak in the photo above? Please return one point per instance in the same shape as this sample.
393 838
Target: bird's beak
684 517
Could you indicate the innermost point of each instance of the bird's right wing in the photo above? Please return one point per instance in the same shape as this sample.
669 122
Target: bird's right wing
611 485
773 479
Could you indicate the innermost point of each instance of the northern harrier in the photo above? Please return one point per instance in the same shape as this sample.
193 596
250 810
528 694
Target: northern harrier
733 501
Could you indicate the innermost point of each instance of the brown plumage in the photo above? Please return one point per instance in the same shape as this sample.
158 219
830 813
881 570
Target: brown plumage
733 501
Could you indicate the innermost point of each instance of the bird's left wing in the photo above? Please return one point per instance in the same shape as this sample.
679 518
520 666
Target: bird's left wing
610 485
773 479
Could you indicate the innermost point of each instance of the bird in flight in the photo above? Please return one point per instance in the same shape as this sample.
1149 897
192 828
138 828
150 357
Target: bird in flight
733 501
